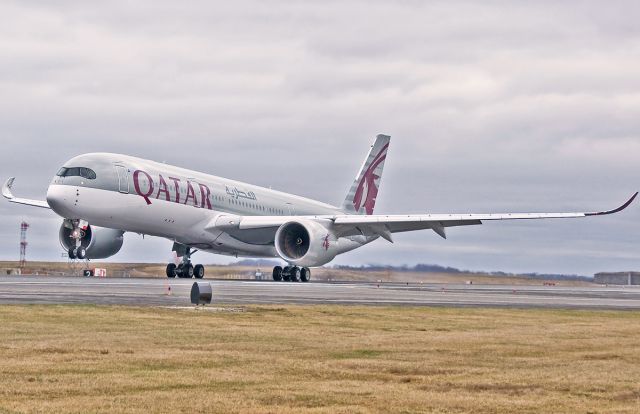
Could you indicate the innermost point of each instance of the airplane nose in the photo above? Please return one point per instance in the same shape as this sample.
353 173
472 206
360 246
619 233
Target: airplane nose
57 199
53 197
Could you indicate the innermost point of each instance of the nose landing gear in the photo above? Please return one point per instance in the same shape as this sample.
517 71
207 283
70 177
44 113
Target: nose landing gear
185 270
79 253
78 232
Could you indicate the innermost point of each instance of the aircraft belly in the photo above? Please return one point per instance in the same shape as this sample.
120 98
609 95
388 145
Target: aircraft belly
254 236
130 213
226 244
184 224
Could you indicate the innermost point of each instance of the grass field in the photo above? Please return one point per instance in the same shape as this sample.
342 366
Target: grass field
317 359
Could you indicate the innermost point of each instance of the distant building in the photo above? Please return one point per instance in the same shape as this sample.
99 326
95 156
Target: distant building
620 278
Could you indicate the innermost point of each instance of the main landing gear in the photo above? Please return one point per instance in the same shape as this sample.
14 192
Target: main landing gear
291 274
185 269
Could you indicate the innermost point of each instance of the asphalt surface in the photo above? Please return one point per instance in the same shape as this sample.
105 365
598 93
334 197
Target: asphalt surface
165 292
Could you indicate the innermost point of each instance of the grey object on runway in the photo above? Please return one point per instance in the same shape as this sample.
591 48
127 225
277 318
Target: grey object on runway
201 293
163 292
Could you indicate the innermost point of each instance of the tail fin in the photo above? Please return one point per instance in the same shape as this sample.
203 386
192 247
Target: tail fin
361 198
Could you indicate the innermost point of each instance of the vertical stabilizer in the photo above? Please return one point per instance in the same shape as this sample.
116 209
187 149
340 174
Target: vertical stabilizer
361 198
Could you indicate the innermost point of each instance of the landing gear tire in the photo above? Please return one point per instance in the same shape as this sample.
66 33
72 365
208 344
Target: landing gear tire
295 274
286 273
72 254
186 270
277 273
81 253
171 270
305 274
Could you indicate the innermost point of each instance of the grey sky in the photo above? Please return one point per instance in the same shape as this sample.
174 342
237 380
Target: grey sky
492 106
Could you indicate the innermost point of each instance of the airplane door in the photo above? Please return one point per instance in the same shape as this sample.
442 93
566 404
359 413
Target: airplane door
123 179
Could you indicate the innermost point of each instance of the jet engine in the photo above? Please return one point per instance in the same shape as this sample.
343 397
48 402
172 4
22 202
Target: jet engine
99 242
306 243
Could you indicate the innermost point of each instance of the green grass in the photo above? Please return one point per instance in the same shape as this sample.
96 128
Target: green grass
318 359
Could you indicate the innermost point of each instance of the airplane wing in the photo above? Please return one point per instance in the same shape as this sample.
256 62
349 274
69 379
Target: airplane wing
6 192
385 225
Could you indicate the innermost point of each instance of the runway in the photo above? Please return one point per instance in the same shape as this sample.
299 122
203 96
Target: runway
165 292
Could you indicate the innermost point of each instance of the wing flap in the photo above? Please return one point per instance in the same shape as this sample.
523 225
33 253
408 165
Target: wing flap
460 219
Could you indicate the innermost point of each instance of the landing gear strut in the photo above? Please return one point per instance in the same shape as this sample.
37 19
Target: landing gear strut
79 228
291 274
185 269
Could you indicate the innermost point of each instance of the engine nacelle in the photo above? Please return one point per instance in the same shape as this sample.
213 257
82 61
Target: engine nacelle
100 242
306 243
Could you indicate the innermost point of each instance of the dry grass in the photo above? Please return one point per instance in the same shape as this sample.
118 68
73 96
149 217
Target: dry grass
244 272
318 359
433 277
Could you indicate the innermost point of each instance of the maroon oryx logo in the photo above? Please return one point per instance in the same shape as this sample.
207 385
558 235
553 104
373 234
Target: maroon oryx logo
325 243
369 181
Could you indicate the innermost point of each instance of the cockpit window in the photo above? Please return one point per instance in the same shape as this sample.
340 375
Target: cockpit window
87 173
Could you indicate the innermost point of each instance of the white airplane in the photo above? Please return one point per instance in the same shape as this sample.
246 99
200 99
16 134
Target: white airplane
100 196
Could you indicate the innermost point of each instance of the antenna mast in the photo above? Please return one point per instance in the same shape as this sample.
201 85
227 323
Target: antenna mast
23 244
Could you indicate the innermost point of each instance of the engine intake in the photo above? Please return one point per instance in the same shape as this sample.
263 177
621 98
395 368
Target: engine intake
294 241
99 242
305 243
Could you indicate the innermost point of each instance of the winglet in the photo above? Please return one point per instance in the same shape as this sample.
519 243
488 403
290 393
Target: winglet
6 188
617 210
8 194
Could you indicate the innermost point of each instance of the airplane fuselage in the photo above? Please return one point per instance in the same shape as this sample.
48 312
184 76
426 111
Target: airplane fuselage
151 198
